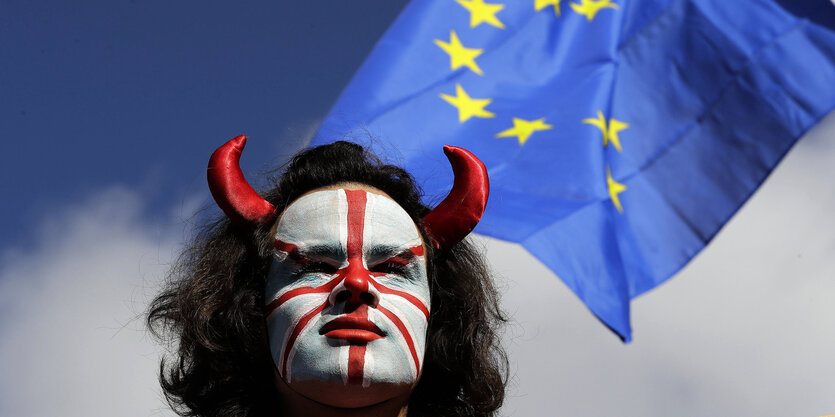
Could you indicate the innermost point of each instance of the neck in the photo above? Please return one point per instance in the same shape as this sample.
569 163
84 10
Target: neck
294 404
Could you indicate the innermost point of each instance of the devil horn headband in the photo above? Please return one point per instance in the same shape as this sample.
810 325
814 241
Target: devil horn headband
447 223
231 191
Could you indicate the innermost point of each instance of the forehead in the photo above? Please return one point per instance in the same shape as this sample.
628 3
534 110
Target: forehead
333 215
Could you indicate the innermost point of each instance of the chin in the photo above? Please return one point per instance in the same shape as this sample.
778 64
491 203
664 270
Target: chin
337 394
341 374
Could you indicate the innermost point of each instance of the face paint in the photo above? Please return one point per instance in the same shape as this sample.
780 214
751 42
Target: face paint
347 298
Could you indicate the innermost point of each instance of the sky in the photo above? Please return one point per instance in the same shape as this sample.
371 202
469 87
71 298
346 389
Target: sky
111 109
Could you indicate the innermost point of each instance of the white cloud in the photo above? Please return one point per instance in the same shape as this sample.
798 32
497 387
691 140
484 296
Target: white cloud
745 330
72 340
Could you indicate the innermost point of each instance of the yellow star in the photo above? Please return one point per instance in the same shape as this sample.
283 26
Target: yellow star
589 8
615 188
459 55
468 107
523 129
610 133
481 12
541 4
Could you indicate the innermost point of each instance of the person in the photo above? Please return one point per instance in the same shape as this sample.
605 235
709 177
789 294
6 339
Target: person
337 293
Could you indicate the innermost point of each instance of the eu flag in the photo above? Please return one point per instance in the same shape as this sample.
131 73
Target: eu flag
619 135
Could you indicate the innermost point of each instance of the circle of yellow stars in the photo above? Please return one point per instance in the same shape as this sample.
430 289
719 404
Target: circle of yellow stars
460 56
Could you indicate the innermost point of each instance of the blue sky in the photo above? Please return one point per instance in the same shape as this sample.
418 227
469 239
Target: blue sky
140 92
111 109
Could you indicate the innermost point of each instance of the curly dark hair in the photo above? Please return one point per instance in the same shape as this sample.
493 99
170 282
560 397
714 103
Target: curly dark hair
212 307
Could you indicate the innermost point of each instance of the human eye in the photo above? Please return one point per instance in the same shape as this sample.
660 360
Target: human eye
316 267
390 267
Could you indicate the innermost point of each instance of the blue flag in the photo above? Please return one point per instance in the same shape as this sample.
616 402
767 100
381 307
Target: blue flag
619 135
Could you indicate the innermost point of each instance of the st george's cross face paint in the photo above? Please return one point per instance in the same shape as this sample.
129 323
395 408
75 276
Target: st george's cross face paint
347 298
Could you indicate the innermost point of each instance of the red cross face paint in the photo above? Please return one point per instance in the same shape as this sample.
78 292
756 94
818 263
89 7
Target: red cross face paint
347 298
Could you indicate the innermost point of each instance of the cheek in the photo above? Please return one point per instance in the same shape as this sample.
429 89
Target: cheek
286 323
411 288
410 319
404 302
294 307
404 347
283 318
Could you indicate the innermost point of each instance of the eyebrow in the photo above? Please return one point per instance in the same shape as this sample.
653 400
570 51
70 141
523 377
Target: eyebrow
300 254
322 251
386 252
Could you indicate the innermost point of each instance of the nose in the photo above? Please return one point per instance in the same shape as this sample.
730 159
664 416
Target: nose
355 290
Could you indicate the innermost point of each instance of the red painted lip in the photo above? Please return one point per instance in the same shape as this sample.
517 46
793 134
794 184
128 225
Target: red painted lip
353 329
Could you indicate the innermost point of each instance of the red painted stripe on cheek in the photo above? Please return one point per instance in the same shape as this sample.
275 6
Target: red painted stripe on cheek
288 345
325 288
402 328
408 297
401 260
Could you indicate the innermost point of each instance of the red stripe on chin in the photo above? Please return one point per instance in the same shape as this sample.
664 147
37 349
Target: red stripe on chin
356 364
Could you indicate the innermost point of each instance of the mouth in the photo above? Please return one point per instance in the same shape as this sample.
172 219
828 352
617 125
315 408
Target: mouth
352 329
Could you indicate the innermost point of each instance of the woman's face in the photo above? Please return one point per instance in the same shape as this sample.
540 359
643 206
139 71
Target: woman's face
347 297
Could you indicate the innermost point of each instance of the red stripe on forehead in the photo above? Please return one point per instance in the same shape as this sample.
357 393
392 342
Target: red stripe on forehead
356 222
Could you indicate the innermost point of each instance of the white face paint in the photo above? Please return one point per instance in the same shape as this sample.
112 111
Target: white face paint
347 298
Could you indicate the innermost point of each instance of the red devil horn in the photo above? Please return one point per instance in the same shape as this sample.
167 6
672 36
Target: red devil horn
458 214
231 191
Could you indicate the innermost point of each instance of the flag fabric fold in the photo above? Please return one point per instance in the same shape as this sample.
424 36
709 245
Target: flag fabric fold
619 135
